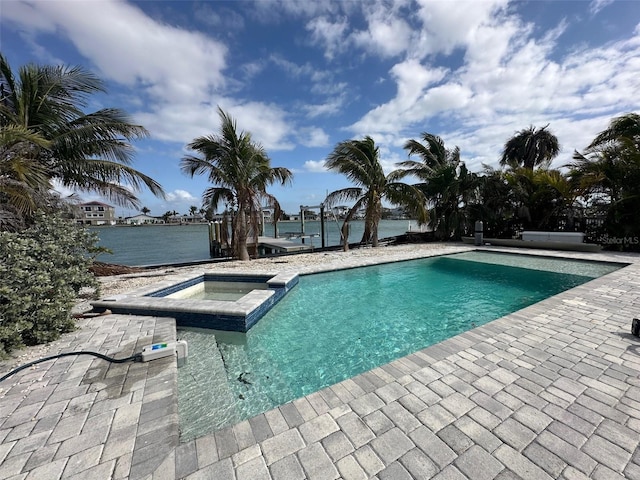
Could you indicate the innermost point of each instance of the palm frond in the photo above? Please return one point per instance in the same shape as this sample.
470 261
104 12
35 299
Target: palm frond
624 126
345 194
358 160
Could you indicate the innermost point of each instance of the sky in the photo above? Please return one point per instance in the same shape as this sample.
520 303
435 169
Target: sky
301 76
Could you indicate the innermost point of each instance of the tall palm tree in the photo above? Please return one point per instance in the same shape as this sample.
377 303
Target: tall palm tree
240 170
530 148
83 151
359 160
447 184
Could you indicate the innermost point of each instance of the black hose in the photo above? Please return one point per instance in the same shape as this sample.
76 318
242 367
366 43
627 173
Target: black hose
136 358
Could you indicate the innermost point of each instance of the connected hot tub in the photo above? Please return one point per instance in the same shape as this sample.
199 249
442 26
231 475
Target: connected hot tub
232 302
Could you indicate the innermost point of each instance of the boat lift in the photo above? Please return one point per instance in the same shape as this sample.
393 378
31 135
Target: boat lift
302 235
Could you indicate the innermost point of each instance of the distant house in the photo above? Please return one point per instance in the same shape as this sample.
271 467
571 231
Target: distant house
197 218
395 213
142 219
95 213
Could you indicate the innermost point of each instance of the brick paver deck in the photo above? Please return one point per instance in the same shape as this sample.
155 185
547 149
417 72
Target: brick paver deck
551 391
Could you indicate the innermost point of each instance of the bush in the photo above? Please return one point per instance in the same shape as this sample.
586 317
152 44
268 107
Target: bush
42 271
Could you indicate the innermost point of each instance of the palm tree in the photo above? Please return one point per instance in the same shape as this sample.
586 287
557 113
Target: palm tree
447 184
359 161
541 197
207 213
609 173
82 151
166 216
240 170
530 148
145 210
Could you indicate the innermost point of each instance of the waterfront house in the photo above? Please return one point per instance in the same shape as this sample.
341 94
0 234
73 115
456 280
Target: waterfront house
95 213
182 219
142 219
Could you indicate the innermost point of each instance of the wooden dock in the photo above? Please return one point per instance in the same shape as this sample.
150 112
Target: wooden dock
270 245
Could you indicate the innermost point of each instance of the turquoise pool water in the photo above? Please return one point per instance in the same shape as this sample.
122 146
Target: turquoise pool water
335 325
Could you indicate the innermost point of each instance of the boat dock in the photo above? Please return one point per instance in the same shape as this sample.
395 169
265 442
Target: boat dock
271 245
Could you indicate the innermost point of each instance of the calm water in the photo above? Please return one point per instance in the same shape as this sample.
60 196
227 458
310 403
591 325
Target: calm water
230 291
335 325
157 244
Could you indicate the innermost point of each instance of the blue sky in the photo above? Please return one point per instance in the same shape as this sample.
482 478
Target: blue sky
303 75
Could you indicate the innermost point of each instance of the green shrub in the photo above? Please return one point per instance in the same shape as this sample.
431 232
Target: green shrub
42 271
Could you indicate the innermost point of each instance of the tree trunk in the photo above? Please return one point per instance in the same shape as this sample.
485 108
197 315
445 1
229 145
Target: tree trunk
240 237
372 218
374 233
345 236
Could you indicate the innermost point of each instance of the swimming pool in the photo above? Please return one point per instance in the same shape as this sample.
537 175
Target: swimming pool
338 324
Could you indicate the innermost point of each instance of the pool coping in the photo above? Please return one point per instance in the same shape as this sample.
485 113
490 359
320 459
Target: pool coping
303 432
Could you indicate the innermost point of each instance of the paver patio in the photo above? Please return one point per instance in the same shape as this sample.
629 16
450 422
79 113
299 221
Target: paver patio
550 391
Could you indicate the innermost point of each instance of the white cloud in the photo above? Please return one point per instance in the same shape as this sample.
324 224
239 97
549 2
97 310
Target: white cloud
292 68
596 5
330 107
28 16
267 123
388 158
133 49
181 196
330 34
316 166
252 69
450 25
323 85
386 35
412 78
451 96
385 32
274 10
219 18
313 137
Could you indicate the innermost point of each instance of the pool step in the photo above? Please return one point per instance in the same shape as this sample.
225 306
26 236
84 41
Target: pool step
206 369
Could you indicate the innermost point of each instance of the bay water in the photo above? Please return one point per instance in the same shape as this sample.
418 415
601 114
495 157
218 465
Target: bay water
162 244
